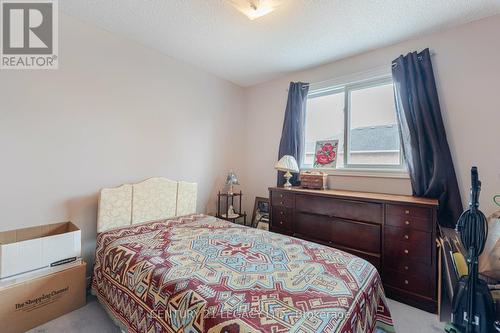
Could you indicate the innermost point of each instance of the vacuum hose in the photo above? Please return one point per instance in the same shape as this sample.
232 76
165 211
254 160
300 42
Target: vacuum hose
473 228
472 224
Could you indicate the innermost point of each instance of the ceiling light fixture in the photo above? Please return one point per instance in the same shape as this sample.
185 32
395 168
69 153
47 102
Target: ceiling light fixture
254 9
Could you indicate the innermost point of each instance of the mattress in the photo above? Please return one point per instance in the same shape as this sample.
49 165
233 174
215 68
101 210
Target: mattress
201 274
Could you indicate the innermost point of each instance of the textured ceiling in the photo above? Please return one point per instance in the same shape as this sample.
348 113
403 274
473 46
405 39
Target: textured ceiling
214 36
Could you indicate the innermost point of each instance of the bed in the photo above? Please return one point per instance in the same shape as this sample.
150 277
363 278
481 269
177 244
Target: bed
160 267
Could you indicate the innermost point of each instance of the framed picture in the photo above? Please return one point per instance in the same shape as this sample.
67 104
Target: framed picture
260 216
263 226
325 155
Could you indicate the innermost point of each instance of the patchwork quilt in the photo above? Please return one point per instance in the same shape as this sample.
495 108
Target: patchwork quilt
201 274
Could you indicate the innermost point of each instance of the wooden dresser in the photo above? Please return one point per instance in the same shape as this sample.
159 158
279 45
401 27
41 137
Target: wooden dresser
396 233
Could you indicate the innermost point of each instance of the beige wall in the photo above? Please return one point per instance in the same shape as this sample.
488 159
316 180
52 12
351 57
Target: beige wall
467 71
114 112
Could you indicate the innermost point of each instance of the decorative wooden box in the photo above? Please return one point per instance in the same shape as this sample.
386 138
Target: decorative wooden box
314 180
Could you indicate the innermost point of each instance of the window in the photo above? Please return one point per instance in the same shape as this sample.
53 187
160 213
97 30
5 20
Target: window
362 117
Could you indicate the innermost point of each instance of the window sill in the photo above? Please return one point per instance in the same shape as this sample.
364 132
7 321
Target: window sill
371 173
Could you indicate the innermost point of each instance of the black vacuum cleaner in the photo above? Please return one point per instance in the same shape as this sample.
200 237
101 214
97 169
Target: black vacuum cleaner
473 310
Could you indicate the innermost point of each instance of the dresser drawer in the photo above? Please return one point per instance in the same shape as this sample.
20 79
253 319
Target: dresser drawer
422 285
419 252
281 218
409 211
406 266
409 222
345 209
279 198
407 235
373 259
355 235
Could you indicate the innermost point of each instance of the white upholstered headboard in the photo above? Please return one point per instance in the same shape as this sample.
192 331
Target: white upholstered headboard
152 199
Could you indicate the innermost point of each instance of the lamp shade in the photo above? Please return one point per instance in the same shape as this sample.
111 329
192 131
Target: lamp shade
287 163
232 179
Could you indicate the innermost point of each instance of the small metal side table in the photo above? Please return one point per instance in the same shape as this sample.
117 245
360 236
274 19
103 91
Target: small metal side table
228 200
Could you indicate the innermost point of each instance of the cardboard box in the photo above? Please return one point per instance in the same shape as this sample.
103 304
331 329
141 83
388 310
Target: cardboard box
27 249
19 278
31 303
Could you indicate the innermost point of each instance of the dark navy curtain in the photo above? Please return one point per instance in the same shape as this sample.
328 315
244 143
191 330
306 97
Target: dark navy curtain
292 135
423 135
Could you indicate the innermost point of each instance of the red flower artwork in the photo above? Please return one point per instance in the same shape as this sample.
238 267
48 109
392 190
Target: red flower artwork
326 153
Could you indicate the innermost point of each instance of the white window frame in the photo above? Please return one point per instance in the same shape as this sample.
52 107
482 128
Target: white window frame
346 85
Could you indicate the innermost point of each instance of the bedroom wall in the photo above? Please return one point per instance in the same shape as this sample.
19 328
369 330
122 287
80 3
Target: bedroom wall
114 112
466 68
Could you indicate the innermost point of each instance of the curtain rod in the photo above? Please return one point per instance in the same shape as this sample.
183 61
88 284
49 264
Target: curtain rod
393 64
353 77
431 53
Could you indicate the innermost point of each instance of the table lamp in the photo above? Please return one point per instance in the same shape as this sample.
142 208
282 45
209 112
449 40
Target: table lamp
231 180
287 164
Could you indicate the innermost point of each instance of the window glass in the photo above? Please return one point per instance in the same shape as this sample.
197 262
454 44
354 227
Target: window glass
324 121
373 132
371 128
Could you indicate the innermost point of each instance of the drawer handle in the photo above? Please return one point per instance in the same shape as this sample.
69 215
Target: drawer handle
406 251
282 213
407 237
406 282
281 203
407 212
281 195
407 222
281 222
406 268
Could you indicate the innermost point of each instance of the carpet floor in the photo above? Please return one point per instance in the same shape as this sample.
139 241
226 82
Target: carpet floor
93 319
